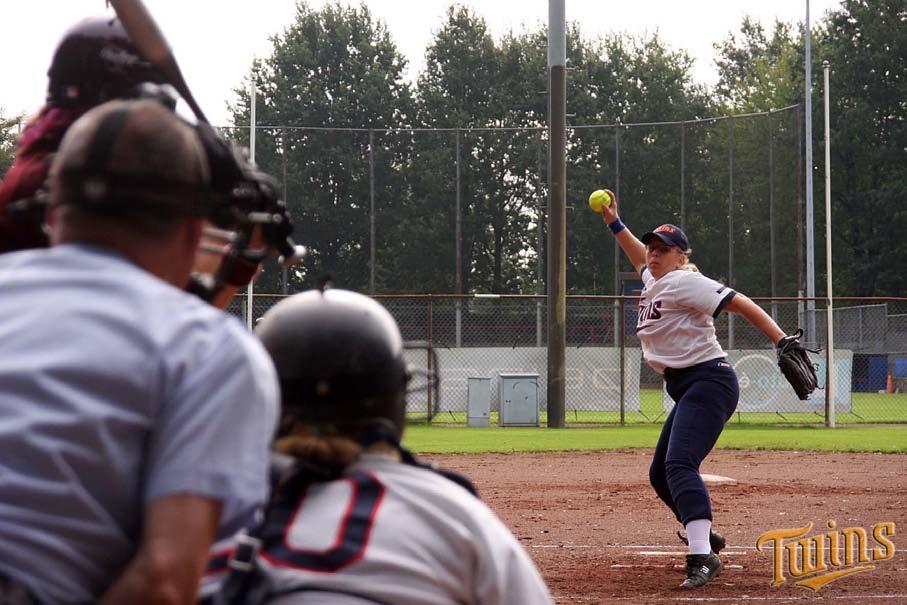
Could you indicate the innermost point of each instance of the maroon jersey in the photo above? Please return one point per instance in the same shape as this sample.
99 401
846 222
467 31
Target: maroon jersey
21 219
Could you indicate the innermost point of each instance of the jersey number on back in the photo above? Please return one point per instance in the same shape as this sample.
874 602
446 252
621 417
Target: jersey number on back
352 535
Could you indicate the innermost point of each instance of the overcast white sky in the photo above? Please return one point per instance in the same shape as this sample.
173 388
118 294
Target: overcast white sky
216 40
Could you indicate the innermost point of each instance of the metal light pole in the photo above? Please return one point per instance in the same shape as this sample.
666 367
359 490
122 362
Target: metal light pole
829 314
557 212
810 244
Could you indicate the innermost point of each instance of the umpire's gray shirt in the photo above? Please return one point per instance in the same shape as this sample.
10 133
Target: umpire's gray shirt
116 389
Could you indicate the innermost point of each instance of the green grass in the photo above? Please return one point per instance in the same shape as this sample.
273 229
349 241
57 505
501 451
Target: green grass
459 439
878 423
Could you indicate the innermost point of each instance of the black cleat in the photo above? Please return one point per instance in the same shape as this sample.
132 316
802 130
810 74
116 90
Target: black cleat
716 541
701 569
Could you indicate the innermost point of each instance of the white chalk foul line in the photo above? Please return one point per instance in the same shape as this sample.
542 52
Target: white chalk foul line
770 599
662 550
644 548
638 547
679 553
661 565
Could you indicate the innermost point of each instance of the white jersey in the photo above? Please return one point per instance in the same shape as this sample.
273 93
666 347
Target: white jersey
388 532
675 323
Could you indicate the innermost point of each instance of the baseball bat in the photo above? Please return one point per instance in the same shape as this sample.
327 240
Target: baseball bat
149 40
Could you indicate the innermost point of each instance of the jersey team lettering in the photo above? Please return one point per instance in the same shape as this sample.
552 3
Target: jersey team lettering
649 312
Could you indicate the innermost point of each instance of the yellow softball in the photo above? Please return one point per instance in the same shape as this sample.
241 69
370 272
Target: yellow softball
599 199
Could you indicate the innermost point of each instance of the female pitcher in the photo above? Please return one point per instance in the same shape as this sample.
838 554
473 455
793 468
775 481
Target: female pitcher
675 326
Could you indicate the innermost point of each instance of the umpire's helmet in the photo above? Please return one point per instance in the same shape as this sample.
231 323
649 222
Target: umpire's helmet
339 358
96 61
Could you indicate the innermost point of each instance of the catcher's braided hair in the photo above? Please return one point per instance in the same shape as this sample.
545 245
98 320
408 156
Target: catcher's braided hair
330 452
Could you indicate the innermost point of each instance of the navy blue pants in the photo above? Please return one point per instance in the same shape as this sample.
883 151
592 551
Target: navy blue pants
705 397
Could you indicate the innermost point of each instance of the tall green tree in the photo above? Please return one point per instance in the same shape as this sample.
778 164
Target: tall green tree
759 71
479 110
762 71
453 94
626 81
472 82
335 67
865 45
867 50
8 128
461 88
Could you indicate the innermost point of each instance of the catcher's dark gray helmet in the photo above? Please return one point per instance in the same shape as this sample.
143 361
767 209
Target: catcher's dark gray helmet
340 360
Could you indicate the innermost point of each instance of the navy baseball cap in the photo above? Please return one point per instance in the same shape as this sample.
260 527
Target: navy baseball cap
669 234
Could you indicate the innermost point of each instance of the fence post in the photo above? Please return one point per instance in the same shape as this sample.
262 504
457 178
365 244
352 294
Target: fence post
459 322
371 211
771 213
730 225
250 287
458 232
458 235
539 244
538 323
283 269
622 359
616 245
683 174
830 415
430 345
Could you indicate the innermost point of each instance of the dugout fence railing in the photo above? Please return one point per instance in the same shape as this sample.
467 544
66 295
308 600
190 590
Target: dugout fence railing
607 382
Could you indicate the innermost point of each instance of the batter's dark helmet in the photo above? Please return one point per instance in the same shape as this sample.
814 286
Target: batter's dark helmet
96 61
340 360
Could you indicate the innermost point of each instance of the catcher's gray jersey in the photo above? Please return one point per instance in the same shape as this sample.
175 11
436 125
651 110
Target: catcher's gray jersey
388 532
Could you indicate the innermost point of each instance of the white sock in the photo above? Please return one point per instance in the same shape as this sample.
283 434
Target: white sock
698 536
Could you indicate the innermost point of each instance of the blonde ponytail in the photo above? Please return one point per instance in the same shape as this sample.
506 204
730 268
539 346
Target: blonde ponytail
687 265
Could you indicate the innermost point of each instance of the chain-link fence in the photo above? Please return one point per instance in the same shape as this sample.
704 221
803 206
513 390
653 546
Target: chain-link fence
607 380
414 211
465 210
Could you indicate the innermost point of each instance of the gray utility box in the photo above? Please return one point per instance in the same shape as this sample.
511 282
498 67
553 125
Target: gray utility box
519 398
478 401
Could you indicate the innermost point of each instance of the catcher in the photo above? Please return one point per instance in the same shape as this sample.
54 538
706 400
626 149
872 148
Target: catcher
356 519
676 329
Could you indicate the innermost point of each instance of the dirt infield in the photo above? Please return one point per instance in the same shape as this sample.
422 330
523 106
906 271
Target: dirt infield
599 535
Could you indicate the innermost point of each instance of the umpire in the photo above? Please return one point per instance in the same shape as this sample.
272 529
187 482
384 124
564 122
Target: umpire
135 420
